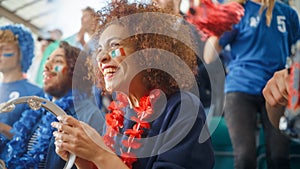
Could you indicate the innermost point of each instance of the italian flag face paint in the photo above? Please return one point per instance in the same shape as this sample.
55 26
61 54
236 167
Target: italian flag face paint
117 52
57 69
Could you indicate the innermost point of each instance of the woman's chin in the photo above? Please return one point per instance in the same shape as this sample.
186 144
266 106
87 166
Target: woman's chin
108 88
116 89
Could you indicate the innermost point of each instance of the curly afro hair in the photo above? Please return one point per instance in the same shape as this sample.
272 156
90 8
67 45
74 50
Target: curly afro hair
171 66
25 42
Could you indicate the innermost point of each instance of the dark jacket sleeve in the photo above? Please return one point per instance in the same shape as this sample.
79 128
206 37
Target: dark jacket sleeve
181 126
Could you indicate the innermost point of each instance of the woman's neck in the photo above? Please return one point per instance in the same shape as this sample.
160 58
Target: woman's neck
133 101
137 90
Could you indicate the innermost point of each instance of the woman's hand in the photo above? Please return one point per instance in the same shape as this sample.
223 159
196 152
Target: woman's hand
276 95
276 90
78 138
82 140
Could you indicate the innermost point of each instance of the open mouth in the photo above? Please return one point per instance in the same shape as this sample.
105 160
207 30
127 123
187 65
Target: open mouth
48 75
109 72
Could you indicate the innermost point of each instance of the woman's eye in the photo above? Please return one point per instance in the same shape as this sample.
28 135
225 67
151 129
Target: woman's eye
7 49
115 44
99 49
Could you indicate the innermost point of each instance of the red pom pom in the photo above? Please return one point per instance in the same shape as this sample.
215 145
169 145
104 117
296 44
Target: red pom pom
214 19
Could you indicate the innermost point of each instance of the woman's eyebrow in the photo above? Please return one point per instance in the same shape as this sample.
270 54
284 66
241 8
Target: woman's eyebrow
108 42
114 38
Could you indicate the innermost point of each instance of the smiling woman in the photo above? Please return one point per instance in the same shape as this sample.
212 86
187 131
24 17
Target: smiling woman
145 53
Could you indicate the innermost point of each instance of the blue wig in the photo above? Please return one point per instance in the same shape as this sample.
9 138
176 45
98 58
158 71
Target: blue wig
26 43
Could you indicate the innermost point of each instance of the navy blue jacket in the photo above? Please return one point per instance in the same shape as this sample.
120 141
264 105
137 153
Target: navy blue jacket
173 139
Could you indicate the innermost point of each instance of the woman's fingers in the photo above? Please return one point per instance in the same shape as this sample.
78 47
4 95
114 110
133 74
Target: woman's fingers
61 136
62 153
62 127
69 120
66 124
276 89
272 94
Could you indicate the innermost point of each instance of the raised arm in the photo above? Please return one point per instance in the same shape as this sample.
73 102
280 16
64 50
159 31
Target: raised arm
212 49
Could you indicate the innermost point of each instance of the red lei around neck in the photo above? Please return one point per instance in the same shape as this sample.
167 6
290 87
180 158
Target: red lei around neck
115 119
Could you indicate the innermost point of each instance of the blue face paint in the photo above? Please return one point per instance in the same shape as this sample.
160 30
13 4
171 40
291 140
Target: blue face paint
8 54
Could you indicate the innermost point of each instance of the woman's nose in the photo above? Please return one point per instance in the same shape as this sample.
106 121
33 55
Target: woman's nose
103 57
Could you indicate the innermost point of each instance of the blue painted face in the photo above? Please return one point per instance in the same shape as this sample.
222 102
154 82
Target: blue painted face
7 50
8 54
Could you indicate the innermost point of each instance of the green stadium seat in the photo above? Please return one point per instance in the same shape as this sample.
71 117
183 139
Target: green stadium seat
221 143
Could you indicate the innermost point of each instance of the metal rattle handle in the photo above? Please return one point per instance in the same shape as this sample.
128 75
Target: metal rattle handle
35 103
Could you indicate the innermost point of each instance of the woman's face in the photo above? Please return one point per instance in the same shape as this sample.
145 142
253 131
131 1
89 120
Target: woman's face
111 54
9 57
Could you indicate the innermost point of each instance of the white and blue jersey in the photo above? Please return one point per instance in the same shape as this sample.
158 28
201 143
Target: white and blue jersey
15 90
258 50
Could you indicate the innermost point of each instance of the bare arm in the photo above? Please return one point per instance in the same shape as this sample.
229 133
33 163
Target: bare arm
276 95
212 49
80 36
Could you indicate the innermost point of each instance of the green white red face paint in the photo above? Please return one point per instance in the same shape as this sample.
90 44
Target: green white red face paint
59 69
117 52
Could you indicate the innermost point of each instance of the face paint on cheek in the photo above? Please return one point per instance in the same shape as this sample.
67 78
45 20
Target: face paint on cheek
64 70
8 54
58 69
118 52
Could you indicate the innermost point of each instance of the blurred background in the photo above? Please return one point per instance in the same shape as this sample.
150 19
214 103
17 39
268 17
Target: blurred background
44 15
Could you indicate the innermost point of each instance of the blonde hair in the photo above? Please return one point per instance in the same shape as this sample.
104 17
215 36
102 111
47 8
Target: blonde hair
269 4
8 36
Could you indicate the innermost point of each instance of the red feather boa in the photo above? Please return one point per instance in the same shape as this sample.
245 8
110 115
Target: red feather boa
114 122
